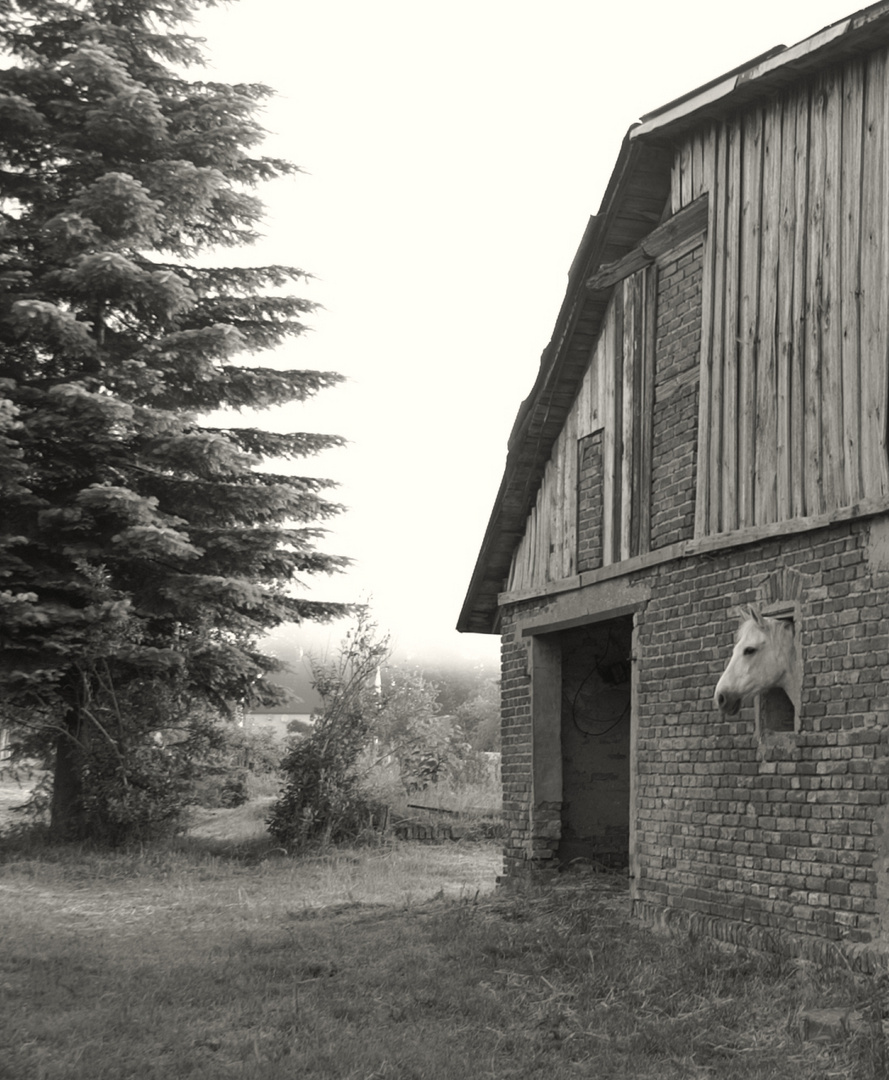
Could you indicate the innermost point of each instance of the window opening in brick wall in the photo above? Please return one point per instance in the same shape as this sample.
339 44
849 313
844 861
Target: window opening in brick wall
778 710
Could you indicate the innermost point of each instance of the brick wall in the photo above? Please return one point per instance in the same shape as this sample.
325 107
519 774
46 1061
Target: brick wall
675 420
589 501
789 832
516 736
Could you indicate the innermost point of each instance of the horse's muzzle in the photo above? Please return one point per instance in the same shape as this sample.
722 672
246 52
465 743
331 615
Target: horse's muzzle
728 704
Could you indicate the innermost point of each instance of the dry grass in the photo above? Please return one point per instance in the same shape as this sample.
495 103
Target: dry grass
207 960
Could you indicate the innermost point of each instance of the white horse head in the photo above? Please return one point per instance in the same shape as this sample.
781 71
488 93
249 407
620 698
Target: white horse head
764 657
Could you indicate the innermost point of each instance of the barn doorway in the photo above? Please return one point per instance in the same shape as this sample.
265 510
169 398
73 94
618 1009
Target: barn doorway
596 722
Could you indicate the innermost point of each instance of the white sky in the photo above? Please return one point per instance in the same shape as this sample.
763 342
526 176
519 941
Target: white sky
453 154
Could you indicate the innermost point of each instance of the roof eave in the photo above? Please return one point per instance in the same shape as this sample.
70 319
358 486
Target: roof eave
762 76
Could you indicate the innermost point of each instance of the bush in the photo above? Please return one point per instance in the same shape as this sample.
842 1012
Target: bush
325 798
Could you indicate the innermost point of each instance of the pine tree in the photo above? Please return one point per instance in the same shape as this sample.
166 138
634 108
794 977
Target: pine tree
143 553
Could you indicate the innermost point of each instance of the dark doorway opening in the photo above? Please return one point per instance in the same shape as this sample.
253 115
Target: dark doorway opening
596 717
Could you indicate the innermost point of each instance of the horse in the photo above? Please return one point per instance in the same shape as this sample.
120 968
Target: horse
764 658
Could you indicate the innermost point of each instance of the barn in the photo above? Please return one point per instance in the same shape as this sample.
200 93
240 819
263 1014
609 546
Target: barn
708 429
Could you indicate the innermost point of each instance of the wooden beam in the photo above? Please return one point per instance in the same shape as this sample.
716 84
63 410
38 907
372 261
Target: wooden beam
707 545
680 228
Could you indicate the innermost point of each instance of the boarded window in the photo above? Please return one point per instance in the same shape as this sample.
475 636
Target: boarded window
590 481
676 383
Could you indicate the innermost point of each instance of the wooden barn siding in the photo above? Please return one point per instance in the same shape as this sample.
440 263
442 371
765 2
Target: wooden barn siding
617 397
796 305
608 400
794 331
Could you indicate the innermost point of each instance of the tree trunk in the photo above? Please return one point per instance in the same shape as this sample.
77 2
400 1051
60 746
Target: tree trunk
67 820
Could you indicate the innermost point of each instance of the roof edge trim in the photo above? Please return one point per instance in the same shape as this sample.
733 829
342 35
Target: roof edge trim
722 87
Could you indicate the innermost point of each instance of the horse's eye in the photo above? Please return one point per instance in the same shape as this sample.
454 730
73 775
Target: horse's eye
750 650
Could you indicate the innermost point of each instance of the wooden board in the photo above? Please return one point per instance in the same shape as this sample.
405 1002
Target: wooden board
749 258
765 470
850 223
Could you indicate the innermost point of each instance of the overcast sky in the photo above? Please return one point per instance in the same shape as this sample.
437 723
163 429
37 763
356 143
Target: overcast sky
453 153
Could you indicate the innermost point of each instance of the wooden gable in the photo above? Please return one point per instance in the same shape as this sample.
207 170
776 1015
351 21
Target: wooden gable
722 367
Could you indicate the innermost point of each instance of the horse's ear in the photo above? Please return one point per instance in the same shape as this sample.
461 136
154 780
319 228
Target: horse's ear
750 611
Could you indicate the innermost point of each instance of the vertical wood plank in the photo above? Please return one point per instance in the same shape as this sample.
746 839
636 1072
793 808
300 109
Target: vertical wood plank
554 518
815 286
731 350
850 176
832 439
640 493
788 285
648 279
543 535
750 256
686 194
568 508
698 174
629 379
716 418
676 182
609 458
583 407
873 196
765 447
799 483
702 477
881 410
595 394
616 333
553 483
525 569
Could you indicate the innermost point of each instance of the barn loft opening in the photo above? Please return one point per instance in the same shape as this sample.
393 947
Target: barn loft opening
596 716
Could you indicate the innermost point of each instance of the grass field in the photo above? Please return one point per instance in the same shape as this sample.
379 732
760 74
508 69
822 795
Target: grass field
211 957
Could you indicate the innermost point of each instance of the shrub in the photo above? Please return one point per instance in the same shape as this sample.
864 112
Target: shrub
325 798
